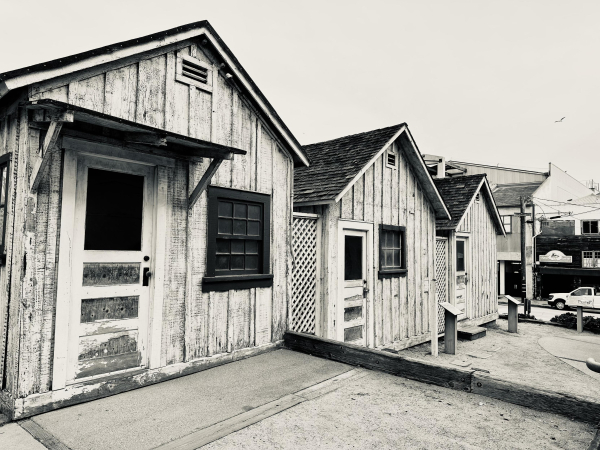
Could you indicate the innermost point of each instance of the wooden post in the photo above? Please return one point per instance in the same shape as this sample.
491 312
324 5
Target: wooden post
580 319
451 333
513 314
433 317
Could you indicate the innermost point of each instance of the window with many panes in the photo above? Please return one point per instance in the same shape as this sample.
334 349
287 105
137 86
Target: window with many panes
4 171
238 240
589 227
392 251
591 259
507 222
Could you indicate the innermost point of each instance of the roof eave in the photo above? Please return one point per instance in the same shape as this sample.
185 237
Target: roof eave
16 79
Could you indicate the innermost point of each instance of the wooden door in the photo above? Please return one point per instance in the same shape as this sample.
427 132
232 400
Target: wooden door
462 276
111 260
352 310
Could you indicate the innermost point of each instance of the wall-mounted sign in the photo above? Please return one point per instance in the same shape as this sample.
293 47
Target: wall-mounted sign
556 256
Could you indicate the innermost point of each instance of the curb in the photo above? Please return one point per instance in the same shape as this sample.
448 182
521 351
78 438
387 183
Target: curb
595 444
583 409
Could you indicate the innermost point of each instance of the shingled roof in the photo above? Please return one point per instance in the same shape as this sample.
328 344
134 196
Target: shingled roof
335 163
509 194
458 192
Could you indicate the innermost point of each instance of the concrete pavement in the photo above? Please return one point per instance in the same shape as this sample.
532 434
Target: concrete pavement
153 415
574 351
285 399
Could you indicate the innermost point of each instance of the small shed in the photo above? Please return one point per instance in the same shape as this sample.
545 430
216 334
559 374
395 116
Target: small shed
466 248
146 218
364 273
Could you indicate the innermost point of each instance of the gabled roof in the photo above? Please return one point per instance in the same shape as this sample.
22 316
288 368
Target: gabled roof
337 164
509 194
459 193
37 73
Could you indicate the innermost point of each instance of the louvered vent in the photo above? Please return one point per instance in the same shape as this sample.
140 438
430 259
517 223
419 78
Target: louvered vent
194 71
391 159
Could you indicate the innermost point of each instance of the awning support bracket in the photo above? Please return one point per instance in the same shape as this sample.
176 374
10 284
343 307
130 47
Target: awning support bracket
49 146
204 181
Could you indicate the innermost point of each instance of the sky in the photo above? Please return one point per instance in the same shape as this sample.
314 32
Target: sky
480 81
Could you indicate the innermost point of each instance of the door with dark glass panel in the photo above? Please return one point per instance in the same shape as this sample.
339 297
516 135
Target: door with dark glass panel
112 260
462 275
354 288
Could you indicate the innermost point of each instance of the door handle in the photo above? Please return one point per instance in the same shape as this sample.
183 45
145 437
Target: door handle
147 275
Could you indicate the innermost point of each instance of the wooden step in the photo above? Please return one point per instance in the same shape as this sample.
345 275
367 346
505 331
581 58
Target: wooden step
471 333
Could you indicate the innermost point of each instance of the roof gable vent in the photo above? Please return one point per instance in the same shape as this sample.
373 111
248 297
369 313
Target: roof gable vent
390 160
193 71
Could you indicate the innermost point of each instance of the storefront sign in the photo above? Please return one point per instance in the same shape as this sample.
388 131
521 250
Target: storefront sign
556 256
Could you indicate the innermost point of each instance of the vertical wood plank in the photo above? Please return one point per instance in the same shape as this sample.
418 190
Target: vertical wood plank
358 199
411 266
151 91
32 284
417 261
88 93
197 306
223 116
347 203
120 92
368 206
200 114
279 249
177 97
176 270
377 291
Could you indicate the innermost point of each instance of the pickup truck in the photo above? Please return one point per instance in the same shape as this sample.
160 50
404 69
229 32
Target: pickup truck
588 297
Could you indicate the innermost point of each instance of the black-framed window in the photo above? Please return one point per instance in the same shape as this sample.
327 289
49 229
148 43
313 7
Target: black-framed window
392 251
238 247
589 227
507 222
4 175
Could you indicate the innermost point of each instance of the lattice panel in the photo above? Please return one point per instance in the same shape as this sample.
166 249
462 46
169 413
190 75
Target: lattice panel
441 273
304 276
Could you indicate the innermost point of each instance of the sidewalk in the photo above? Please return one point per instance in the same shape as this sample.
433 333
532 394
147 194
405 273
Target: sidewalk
285 399
148 417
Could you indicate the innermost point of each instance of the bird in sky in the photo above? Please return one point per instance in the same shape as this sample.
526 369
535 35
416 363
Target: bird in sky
559 120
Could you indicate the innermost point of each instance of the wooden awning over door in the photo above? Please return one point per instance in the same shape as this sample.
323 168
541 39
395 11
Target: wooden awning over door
70 120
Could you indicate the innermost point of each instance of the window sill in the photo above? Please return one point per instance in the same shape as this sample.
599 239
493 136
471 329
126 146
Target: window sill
228 282
392 273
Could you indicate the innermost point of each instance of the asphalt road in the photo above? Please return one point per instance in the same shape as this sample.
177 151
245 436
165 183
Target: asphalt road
543 313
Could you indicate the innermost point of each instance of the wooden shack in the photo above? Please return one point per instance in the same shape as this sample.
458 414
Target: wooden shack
466 248
142 184
375 206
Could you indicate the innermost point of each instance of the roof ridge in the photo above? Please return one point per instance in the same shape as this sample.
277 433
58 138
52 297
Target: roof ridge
356 134
104 49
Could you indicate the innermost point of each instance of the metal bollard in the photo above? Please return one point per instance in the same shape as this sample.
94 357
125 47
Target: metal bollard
580 319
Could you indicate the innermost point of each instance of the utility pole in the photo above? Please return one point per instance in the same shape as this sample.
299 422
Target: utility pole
522 216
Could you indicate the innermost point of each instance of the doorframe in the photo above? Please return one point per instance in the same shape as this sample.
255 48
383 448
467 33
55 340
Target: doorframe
64 291
466 237
339 313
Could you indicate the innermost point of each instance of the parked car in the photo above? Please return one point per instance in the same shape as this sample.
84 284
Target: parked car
584 296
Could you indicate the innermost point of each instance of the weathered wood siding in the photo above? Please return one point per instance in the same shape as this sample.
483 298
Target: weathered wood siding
195 324
482 299
390 197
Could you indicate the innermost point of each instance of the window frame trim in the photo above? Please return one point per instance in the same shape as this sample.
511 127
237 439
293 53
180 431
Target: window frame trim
214 282
590 222
5 159
403 270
